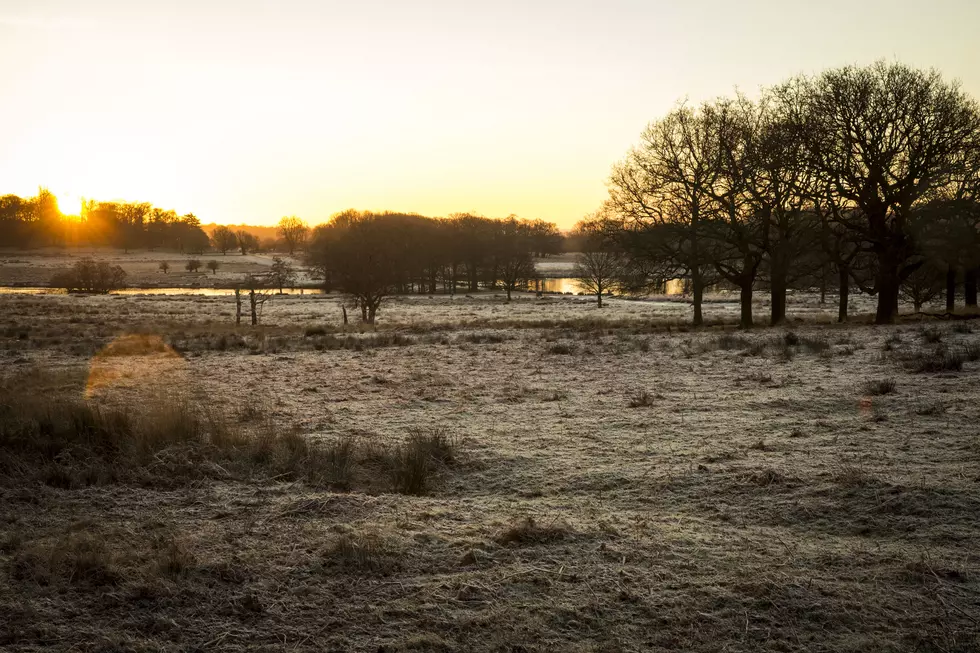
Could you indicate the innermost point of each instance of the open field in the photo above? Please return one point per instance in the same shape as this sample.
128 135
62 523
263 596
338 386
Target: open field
36 267
589 480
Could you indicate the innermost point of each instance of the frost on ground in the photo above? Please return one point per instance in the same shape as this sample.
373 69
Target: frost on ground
619 482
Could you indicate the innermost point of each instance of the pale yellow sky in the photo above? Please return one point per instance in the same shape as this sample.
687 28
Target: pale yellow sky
248 110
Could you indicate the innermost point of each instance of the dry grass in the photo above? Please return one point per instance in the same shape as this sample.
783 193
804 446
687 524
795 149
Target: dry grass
759 507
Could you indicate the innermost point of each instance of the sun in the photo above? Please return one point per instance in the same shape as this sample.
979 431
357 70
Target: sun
69 203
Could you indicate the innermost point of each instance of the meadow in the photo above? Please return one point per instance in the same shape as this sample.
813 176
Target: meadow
478 475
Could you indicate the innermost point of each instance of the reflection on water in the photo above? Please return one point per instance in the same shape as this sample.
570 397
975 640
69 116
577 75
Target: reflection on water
570 285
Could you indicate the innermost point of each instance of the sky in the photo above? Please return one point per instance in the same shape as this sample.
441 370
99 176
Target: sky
249 110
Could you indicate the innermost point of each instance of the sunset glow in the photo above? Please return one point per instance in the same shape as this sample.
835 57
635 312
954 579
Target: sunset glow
247 111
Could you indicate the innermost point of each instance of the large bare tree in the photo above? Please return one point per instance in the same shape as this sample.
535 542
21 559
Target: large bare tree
885 136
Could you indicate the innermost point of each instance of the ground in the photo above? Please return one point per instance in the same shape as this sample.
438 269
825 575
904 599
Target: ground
37 267
621 482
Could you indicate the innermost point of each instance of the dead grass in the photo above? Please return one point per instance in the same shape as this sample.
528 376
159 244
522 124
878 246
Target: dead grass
528 530
879 387
767 515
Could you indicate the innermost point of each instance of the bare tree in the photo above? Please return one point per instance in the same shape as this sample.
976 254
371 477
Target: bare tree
213 266
662 192
246 242
193 265
884 137
293 231
600 263
223 239
165 267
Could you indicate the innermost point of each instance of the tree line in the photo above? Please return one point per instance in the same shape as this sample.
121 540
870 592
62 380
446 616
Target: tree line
870 175
38 222
370 256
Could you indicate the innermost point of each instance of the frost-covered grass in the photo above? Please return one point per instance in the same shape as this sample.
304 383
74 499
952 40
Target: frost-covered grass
756 497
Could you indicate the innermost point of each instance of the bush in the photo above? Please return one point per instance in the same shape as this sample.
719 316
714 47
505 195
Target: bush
90 276
641 399
879 387
940 360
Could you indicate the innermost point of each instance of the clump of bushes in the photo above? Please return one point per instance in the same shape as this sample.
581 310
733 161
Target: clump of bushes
92 276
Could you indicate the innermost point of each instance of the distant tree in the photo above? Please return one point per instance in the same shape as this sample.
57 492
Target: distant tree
213 266
281 273
193 265
246 241
923 285
600 263
223 239
257 286
357 253
165 267
293 232
90 276
512 249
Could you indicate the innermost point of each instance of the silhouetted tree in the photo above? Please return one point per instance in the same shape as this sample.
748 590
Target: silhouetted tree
90 276
213 266
246 241
281 273
192 265
165 267
599 265
223 239
886 136
293 232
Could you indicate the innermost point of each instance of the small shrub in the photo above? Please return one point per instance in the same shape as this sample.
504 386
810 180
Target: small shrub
76 558
971 351
935 407
641 399
939 360
358 551
409 469
878 387
931 335
440 447
732 341
530 531
561 349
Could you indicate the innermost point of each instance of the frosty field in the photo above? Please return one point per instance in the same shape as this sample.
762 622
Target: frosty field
609 480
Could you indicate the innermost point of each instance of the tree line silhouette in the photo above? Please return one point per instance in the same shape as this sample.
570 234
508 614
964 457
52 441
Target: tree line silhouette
38 222
370 256
871 174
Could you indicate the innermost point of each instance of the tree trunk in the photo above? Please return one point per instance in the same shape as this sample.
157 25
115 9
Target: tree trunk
777 294
823 284
364 315
508 292
746 304
950 288
598 296
238 306
372 309
970 287
252 300
888 286
845 288
697 284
